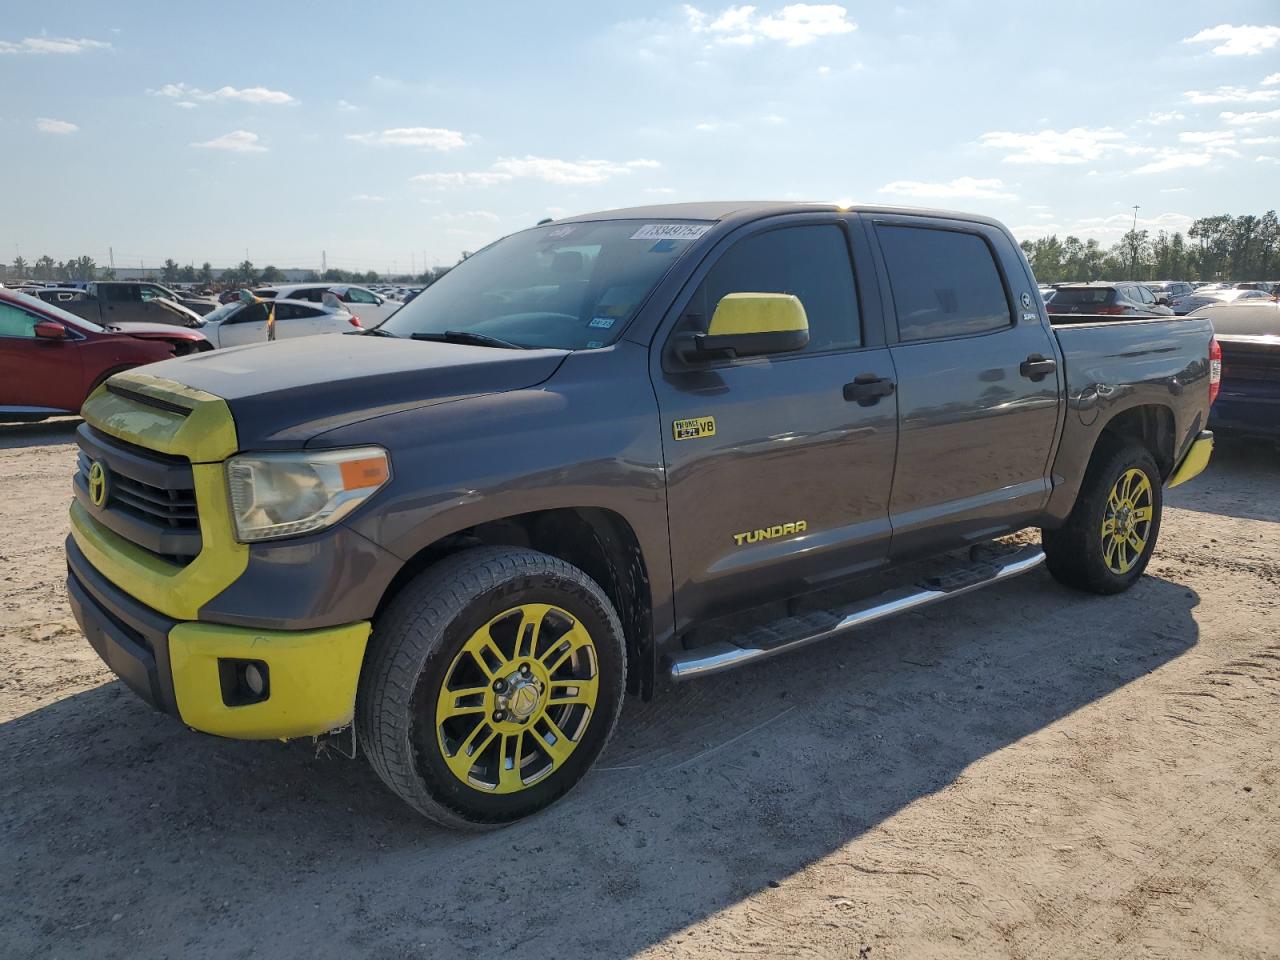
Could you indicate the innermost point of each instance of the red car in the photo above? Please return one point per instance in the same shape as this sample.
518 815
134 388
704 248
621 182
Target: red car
50 360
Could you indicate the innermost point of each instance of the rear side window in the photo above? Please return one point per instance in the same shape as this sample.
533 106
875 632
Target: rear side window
356 295
119 292
945 284
1083 296
811 262
294 311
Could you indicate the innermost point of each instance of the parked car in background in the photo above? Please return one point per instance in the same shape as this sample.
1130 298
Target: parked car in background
1172 290
112 302
234 324
1248 332
370 308
51 360
1108 299
1217 294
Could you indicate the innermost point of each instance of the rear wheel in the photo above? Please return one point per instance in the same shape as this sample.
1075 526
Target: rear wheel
1108 539
493 682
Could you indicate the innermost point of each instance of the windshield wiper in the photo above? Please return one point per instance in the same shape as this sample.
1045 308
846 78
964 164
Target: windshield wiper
465 336
379 332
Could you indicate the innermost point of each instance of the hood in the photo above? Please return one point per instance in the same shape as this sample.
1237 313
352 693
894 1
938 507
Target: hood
189 317
283 393
155 330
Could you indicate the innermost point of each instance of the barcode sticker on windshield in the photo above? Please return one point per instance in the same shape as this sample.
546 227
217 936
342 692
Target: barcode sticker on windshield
671 231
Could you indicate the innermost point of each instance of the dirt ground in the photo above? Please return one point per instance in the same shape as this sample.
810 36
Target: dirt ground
1024 772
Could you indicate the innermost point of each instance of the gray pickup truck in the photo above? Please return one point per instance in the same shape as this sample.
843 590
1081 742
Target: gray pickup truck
455 541
121 301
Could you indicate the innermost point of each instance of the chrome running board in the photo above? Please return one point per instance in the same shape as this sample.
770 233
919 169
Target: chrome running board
790 633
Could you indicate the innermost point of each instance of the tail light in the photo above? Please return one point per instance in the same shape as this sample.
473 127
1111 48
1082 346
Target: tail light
1112 310
1215 369
354 320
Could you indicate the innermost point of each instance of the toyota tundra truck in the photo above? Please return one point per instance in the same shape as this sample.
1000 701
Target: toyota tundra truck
456 541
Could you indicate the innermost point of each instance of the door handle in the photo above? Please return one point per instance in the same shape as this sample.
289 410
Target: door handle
1036 367
867 389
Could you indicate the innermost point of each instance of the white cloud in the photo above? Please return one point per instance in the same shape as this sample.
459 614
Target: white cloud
1272 80
968 188
368 198
1237 41
1267 159
660 191
1254 141
1077 145
564 172
1174 190
40 45
1174 160
1171 116
46 125
1213 141
1244 119
1232 95
187 94
469 216
795 25
346 107
428 138
237 141
185 104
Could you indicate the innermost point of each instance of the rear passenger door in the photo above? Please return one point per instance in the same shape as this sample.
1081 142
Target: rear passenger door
778 471
978 383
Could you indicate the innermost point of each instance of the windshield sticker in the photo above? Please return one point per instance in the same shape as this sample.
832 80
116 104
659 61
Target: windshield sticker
559 233
592 344
601 323
671 231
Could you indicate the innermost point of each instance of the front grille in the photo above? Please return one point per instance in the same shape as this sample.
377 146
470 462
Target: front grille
150 497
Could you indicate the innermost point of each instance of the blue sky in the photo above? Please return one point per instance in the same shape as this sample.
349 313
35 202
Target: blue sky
392 133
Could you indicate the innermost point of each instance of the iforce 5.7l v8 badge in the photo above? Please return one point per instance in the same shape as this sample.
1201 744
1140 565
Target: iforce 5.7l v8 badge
694 428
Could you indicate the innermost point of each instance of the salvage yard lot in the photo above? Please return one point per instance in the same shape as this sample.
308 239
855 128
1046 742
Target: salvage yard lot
1024 772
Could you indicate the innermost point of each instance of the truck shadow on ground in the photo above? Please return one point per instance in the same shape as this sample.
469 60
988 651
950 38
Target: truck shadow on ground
46 433
125 835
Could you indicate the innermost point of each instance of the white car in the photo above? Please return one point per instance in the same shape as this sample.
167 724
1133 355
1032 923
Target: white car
236 323
1206 296
369 307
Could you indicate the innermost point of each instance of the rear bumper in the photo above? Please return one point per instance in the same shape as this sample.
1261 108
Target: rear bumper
182 668
1246 415
1195 461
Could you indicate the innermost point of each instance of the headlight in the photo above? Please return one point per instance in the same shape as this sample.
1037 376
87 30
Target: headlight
287 494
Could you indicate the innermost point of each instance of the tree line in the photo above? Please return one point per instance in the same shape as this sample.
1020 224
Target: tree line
1214 248
243 274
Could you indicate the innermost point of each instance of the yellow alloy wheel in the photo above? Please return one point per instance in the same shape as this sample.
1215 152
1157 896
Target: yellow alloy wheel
1127 521
517 698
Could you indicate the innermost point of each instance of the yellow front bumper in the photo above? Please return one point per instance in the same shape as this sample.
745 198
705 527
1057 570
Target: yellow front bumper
312 676
1195 461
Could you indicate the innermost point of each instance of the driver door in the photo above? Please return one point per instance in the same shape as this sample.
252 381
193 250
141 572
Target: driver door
247 325
778 468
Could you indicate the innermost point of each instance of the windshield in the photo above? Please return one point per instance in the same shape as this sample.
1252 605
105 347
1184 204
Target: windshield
572 286
58 313
222 312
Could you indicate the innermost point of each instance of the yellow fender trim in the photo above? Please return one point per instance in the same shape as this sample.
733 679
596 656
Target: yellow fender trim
1195 461
312 677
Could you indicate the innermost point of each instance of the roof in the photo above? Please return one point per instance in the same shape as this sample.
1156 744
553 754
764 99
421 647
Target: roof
723 209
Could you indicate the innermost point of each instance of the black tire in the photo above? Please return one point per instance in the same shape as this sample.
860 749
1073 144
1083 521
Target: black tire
412 655
1075 552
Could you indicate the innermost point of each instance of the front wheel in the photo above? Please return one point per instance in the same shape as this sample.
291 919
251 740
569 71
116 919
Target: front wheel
492 683
1109 537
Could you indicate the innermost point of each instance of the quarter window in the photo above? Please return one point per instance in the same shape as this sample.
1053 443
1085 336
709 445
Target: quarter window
945 283
811 262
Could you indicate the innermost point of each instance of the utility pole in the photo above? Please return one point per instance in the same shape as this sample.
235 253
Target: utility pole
111 256
1133 243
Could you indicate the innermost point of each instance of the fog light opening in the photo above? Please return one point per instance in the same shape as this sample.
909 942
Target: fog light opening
244 682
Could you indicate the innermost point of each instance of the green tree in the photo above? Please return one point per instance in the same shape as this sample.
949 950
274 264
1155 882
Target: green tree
20 268
271 274
45 268
169 272
206 272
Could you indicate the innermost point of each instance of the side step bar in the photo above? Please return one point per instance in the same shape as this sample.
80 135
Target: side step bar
793 632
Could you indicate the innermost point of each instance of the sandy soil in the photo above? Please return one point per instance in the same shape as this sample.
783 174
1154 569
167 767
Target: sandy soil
1026 772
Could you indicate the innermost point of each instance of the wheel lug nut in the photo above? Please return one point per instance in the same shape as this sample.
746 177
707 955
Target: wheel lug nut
498 716
524 668
499 685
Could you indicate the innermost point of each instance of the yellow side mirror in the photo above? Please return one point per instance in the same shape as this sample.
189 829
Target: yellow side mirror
750 325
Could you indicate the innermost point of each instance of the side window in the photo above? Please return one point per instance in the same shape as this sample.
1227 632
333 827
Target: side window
811 262
945 283
314 294
16 323
250 313
153 293
118 292
356 295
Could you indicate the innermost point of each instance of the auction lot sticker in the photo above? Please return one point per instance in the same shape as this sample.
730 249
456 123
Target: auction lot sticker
671 231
